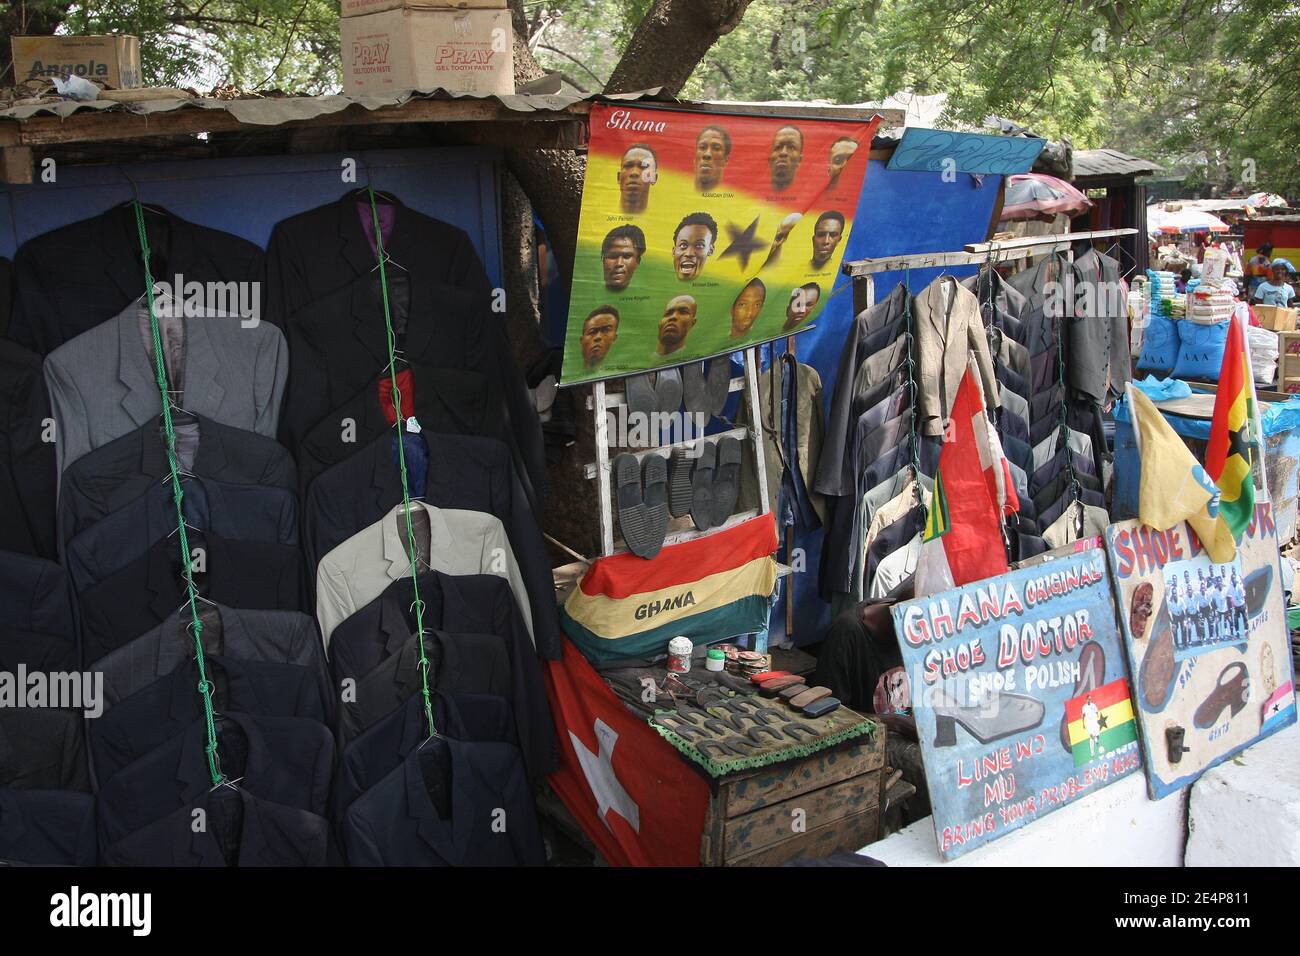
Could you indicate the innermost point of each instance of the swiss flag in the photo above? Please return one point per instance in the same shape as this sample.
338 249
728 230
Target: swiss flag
634 796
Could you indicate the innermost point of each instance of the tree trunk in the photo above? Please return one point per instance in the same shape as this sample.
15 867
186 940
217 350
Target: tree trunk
37 18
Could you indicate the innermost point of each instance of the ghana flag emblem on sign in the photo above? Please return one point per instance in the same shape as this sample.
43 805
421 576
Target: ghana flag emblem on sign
1100 722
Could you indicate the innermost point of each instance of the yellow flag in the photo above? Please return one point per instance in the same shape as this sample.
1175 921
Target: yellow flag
1174 486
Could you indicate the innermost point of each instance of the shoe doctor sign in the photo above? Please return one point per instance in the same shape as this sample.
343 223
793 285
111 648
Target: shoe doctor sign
1019 692
703 234
1209 646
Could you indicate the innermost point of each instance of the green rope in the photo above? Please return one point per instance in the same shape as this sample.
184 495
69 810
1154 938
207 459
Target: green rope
401 463
178 496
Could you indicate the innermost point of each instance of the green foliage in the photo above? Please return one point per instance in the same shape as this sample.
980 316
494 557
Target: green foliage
291 45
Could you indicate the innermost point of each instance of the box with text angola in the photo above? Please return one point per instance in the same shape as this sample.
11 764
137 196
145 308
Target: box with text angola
356 8
461 51
113 60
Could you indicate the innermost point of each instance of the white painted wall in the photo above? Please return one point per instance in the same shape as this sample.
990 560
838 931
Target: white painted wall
1246 811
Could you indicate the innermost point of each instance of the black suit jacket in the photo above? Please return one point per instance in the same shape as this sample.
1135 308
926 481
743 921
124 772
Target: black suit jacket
835 470
272 637
27 469
36 624
459 663
72 278
42 749
239 512
114 475
399 822
316 255
457 604
126 604
242 830
156 713
46 828
287 760
382 748
473 474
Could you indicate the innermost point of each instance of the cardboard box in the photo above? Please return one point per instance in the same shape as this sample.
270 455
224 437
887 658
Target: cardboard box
356 8
1276 317
462 51
113 60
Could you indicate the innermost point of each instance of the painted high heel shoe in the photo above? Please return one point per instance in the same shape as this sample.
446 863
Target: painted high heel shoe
1092 671
997 716
1232 693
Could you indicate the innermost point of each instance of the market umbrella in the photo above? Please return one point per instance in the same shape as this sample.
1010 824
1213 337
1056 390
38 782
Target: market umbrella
1182 220
1036 196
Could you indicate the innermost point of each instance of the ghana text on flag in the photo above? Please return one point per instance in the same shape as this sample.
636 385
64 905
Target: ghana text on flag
1100 722
702 234
1227 458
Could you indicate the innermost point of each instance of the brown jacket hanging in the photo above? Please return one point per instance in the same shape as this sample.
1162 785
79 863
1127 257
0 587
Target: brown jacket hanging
948 332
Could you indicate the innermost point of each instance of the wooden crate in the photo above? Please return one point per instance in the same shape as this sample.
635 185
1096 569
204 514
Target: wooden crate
823 804
1288 362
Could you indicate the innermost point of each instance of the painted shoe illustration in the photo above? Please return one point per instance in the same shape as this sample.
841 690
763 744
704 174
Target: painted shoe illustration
1092 672
1232 690
1257 584
1159 668
998 715
1140 610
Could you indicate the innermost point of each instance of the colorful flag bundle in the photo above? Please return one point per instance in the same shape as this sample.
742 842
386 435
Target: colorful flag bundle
1227 459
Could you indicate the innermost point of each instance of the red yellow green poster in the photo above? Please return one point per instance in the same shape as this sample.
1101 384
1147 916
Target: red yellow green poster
702 233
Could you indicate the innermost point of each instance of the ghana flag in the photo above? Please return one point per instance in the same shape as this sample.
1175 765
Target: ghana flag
707 589
702 234
1100 722
1227 459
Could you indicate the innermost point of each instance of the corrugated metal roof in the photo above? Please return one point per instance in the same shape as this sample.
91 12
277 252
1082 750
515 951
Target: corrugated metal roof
1110 162
274 110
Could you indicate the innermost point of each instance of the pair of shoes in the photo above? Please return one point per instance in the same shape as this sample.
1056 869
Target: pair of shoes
707 489
707 395
651 392
642 502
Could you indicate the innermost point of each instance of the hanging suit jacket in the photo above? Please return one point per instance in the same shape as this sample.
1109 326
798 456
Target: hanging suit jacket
158 712
46 828
443 400
834 471
381 749
1002 306
315 255
36 624
70 279
149 590
103 383
948 332
1046 304
263 834
808 411
459 663
463 472
27 477
240 512
287 760
459 604
42 748
460 542
397 822
116 474
1098 333
271 637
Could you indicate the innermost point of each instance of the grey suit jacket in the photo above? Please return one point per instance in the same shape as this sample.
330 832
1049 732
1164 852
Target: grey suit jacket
459 542
103 385
1099 346
948 332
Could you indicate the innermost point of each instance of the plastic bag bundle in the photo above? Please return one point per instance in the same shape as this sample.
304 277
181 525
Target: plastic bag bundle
1160 292
1264 351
